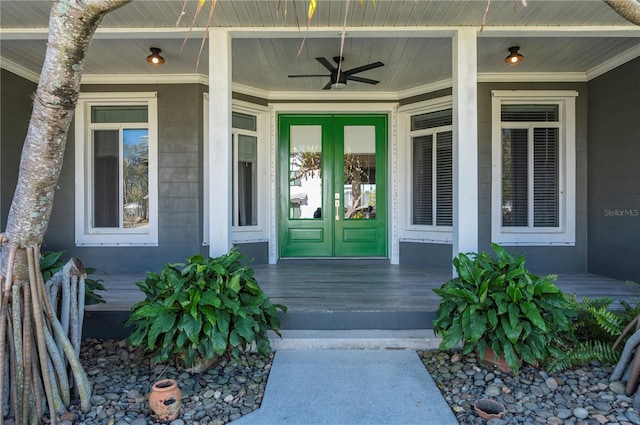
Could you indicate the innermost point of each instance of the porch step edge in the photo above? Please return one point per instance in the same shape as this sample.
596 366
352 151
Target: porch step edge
356 339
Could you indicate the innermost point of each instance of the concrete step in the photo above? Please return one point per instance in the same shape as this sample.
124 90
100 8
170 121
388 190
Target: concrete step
357 339
104 324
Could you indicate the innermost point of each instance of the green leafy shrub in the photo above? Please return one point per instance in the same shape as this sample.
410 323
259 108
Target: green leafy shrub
51 262
202 309
497 303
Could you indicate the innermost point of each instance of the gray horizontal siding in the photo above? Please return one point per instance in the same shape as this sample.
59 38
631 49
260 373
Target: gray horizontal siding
179 184
15 106
614 174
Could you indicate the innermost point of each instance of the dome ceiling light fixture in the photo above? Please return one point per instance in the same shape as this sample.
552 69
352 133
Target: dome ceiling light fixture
154 58
514 57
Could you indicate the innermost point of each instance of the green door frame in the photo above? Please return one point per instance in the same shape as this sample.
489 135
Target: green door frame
331 236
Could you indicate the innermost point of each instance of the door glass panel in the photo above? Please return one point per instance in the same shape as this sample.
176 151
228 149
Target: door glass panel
359 169
305 172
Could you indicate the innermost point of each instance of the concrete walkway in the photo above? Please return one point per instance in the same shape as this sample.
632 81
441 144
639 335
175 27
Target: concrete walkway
320 387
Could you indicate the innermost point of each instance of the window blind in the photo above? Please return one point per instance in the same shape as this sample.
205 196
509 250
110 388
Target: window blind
444 179
529 113
431 120
545 177
422 211
243 121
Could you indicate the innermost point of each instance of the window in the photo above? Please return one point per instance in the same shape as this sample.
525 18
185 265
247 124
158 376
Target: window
246 121
432 168
533 195
245 169
425 152
116 156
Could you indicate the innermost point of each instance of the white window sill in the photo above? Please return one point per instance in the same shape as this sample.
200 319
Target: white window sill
538 239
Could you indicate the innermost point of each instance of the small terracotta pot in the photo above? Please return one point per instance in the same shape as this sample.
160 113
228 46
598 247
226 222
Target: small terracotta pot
487 408
491 361
164 400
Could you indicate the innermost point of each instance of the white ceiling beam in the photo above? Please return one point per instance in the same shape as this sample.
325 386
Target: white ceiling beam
336 32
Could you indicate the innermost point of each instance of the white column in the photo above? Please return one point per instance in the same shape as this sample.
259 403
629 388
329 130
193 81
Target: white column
220 201
465 141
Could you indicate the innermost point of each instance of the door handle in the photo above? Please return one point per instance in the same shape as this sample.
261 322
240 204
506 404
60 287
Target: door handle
337 205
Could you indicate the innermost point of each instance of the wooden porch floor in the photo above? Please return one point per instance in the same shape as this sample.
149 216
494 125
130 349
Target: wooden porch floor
356 287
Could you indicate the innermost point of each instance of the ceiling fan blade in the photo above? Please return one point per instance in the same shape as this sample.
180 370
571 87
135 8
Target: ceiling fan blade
328 86
326 64
309 75
363 68
362 80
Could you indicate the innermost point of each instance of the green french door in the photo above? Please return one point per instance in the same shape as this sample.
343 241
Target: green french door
332 185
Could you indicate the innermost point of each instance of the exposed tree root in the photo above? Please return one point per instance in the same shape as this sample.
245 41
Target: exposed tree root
40 357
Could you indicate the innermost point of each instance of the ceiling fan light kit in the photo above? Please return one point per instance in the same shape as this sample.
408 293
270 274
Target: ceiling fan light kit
338 77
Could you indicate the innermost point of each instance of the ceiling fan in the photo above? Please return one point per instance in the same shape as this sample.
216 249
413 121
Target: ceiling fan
339 81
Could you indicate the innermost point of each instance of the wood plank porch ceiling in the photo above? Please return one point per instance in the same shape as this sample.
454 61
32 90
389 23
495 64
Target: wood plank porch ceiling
262 62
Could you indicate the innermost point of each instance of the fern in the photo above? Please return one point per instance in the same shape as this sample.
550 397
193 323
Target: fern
582 354
586 303
607 320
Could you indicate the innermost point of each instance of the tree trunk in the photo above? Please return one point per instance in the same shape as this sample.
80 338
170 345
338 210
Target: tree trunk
628 9
72 24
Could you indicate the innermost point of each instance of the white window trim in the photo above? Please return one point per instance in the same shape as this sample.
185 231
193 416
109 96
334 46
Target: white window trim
85 235
565 233
411 232
242 234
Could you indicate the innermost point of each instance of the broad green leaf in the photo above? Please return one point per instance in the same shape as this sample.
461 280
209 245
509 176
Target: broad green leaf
244 327
515 273
477 328
219 343
492 317
530 310
463 293
527 355
160 325
512 332
181 339
514 315
137 336
191 327
210 314
545 287
234 284
511 357
451 337
514 292
210 298
484 289
230 303
538 345
234 339
223 322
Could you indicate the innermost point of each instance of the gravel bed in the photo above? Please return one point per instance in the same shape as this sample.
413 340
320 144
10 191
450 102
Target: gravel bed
580 396
122 377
